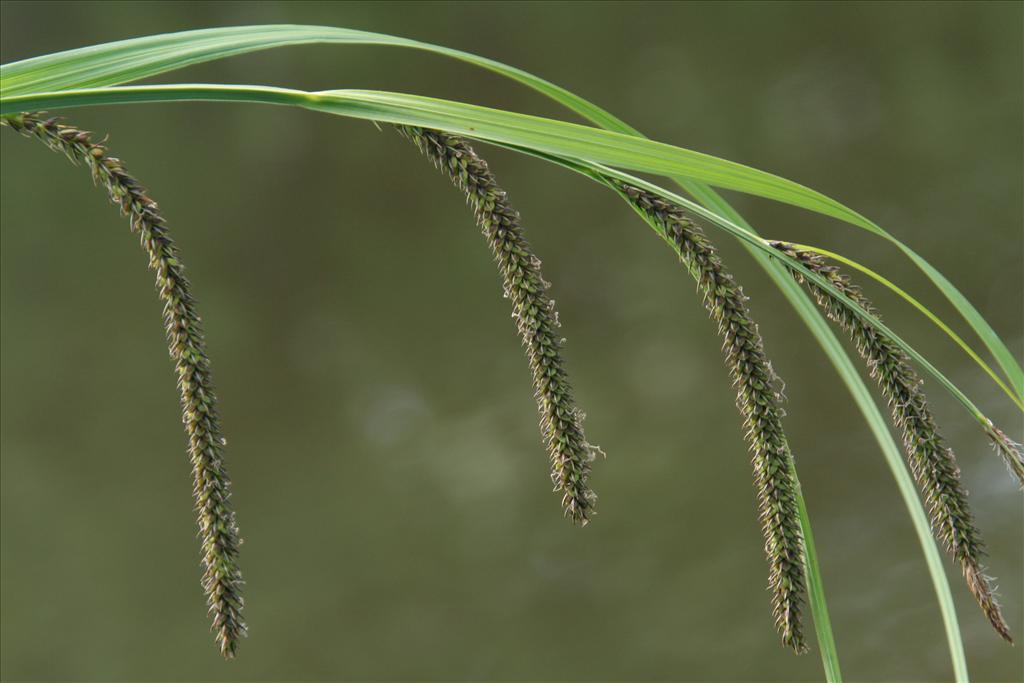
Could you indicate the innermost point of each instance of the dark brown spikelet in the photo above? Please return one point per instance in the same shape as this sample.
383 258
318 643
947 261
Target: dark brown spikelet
758 399
560 420
222 580
931 460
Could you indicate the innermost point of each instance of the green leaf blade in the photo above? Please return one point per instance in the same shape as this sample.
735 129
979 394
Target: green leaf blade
130 60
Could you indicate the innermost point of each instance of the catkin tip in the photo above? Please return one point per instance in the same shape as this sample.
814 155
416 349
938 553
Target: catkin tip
1010 451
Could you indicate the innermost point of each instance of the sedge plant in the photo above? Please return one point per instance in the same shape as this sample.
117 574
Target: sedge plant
609 152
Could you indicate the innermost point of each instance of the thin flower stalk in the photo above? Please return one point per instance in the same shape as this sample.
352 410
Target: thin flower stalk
561 421
932 462
758 399
222 580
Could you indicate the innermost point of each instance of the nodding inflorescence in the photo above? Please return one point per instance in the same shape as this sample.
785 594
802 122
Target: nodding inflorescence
758 399
222 580
931 460
560 419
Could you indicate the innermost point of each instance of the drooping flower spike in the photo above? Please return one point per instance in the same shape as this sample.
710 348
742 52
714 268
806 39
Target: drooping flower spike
758 398
222 580
561 421
932 462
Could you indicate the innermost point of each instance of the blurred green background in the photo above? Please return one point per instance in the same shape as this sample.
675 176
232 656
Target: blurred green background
390 482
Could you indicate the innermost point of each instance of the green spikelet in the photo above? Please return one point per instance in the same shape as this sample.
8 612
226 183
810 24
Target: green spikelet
222 579
560 420
931 460
758 399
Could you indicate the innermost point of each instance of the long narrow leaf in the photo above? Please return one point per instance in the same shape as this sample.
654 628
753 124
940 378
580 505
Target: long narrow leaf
556 138
129 60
